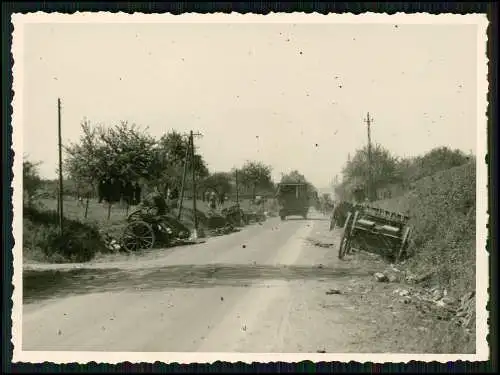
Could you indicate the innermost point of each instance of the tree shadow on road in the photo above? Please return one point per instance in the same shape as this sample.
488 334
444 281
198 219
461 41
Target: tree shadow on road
39 285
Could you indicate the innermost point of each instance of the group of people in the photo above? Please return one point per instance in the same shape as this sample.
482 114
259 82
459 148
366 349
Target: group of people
114 190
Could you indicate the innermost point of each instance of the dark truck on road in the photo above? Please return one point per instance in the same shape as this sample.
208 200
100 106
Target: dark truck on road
293 199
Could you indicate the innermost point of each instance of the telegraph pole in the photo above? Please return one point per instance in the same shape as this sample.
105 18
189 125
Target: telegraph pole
191 141
61 216
237 189
368 121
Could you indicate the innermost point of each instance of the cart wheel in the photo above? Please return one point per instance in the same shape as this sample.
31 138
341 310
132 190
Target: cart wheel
345 241
351 232
404 242
138 235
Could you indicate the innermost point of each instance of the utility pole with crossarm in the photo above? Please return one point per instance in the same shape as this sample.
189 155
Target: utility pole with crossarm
368 121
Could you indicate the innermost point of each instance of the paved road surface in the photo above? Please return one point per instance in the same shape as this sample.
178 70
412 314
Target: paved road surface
258 290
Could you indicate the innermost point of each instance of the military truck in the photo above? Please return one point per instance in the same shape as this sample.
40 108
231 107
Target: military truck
293 199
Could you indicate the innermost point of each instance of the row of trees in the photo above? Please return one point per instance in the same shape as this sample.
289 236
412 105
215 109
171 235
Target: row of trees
128 153
390 173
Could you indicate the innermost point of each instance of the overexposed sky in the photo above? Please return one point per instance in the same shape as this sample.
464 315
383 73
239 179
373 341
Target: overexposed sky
293 96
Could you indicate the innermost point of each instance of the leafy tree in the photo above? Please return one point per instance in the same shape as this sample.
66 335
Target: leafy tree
31 180
128 153
123 152
221 182
256 175
356 172
438 159
172 148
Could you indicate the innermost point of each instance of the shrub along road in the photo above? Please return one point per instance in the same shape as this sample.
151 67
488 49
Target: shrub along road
269 288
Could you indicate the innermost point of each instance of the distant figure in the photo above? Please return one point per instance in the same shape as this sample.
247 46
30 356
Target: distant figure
128 193
222 198
213 201
102 190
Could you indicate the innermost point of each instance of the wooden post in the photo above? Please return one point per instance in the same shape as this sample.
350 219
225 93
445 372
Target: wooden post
86 206
194 186
109 210
370 172
60 209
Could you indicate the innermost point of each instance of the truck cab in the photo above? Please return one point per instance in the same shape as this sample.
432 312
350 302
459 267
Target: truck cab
293 200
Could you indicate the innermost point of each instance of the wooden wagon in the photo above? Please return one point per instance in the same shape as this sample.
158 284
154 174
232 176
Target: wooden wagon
376 230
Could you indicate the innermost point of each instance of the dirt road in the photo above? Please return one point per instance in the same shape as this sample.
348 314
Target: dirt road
267 288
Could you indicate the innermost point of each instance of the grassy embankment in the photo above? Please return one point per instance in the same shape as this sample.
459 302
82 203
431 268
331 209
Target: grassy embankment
443 248
83 238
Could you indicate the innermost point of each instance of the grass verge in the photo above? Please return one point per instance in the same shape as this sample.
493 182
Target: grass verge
442 208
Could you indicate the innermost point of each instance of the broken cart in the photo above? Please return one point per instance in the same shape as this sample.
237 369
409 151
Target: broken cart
376 230
145 229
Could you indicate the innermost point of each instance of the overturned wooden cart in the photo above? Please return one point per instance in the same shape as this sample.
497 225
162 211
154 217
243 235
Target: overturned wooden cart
145 229
376 230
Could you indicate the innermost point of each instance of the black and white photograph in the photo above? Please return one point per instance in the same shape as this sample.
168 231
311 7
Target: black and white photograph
281 187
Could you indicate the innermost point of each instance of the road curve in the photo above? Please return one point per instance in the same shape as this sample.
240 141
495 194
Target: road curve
253 291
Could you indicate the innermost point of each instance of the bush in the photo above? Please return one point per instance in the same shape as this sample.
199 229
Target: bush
443 216
442 209
79 242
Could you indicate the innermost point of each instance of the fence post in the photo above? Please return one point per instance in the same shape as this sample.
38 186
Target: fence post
86 207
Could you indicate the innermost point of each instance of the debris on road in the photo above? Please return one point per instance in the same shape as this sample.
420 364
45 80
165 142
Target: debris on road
380 277
433 301
392 278
320 243
333 291
226 229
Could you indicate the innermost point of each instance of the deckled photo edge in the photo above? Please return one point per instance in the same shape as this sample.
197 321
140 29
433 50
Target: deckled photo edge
17 183
482 278
482 217
234 17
